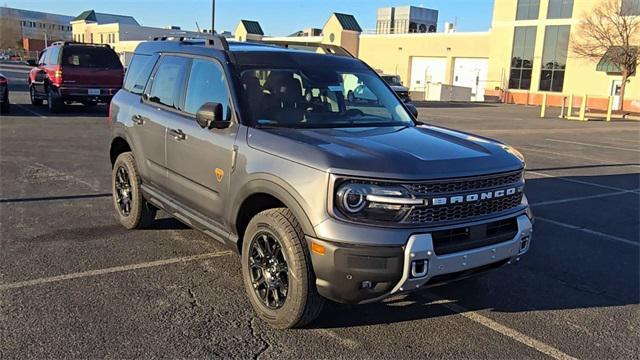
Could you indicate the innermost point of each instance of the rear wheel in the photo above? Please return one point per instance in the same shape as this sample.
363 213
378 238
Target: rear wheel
54 103
277 271
134 212
32 95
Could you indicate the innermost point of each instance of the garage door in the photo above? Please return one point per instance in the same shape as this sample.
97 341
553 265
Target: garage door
427 70
471 73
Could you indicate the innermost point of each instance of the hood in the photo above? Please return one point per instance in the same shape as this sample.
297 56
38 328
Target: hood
399 88
421 152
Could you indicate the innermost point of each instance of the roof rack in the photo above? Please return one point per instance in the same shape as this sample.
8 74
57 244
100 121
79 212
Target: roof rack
214 41
65 43
309 46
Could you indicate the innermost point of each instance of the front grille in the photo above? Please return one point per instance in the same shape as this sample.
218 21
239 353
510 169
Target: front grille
464 185
470 237
446 213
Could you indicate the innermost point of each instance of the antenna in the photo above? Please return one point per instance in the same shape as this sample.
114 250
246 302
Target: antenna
198 27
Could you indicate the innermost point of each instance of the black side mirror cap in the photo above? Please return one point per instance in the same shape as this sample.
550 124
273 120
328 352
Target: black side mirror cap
412 109
209 116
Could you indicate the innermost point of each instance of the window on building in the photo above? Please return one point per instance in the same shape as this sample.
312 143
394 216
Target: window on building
554 57
524 42
528 9
166 87
560 9
630 7
207 83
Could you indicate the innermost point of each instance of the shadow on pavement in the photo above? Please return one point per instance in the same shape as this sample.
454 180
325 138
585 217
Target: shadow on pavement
565 269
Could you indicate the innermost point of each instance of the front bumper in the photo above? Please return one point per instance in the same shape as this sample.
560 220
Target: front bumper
360 274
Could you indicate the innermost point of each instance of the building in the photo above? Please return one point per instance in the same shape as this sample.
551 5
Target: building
523 56
31 28
406 19
100 28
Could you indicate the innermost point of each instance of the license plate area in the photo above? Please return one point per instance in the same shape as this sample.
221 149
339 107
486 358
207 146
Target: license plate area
94 92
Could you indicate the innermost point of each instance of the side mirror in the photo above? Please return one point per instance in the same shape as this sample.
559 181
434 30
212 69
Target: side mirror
412 109
209 116
31 62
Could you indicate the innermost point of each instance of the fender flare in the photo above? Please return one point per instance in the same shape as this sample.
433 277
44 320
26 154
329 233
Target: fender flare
270 187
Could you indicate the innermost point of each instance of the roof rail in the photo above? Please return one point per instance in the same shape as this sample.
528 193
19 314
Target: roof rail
65 43
309 46
214 41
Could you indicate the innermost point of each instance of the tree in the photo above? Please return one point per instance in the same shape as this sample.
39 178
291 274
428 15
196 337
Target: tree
611 32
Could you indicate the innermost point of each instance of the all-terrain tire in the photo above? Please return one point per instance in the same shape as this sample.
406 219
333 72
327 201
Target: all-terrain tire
140 213
303 304
54 103
32 95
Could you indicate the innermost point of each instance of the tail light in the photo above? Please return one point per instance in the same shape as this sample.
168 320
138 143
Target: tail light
57 76
109 116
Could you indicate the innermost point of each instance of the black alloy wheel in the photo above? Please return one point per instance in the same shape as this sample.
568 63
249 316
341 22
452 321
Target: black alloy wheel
268 270
123 191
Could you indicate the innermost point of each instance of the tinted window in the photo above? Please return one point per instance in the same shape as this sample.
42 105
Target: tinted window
528 9
554 57
90 57
524 41
138 73
207 83
560 9
54 57
43 58
168 81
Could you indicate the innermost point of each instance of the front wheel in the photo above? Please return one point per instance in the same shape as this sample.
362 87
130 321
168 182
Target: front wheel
134 212
277 271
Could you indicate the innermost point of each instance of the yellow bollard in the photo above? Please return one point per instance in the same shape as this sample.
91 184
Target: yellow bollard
570 108
609 108
583 108
544 105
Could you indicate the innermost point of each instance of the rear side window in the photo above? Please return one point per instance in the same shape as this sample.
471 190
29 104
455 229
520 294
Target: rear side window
207 83
168 80
90 57
54 56
138 73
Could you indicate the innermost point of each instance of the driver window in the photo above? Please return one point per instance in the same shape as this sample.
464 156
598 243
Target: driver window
207 83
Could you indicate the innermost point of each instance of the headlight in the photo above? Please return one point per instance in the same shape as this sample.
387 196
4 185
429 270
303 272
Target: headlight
368 202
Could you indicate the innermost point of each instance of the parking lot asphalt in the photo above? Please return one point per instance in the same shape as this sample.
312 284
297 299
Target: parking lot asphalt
75 284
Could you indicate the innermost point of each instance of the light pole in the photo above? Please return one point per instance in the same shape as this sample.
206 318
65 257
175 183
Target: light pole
213 16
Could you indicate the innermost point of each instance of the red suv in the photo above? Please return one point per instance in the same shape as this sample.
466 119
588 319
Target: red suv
75 72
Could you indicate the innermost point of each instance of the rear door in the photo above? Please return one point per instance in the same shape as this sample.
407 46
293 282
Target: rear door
199 160
91 67
151 117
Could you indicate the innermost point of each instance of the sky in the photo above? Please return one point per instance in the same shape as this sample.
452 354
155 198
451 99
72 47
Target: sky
277 17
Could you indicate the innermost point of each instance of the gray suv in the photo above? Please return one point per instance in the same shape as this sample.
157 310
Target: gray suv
258 146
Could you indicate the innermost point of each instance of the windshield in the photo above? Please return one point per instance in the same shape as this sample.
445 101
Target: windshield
392 80
320 98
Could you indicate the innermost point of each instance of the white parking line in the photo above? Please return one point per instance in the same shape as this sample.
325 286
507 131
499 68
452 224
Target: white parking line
30 111
589 231
581 182
345 342
111 270
593 145
557 155
501 329
566 200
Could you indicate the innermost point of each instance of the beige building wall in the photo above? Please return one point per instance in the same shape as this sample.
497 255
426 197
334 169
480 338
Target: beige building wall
393 53
333 33
581 77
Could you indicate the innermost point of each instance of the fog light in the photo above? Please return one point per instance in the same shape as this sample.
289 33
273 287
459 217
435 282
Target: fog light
419 268
524 244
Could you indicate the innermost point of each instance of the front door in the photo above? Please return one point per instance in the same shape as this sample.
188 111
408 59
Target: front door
198 159
616 87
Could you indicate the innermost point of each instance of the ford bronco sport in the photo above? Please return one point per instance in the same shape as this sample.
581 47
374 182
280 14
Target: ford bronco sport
256 146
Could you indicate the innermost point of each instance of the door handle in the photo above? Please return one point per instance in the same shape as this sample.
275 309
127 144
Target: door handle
138 119
178 134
